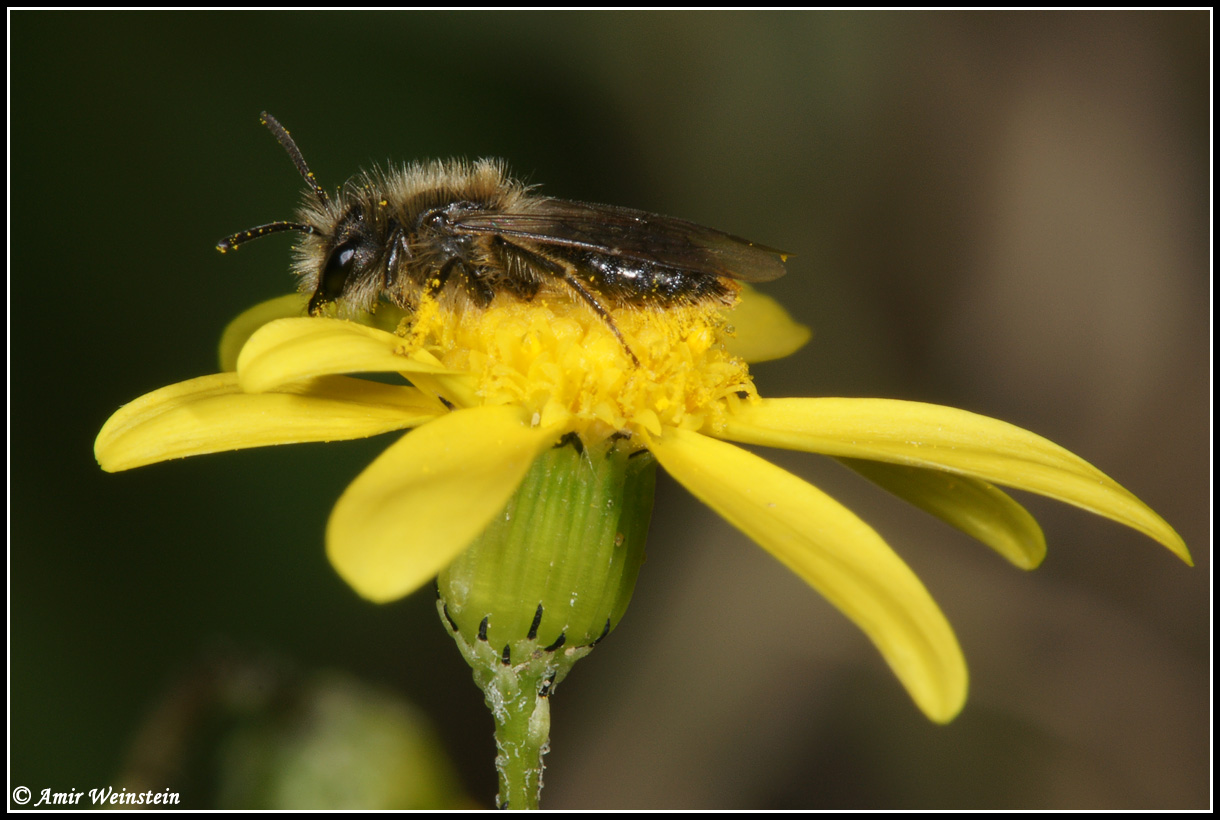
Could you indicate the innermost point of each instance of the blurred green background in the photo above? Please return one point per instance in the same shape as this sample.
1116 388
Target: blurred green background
1003 212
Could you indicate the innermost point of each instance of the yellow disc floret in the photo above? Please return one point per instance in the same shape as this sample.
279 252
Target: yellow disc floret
564 362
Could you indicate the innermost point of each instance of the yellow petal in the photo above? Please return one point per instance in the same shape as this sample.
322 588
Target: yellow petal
836 553
945 438
288 350
763 329
415 508
459 389
242 328
211 414
975 507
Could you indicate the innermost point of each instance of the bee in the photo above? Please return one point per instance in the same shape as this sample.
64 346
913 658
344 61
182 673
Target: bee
470 229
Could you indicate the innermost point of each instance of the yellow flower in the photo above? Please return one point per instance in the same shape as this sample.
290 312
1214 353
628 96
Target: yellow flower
491 390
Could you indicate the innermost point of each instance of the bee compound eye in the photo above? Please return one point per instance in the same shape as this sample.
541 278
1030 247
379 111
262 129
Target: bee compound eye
341 258
338 269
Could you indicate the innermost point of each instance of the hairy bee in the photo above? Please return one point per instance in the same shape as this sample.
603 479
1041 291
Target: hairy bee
469 228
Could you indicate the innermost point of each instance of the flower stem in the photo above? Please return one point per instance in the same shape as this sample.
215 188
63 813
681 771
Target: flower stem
545 582
518 696
523 728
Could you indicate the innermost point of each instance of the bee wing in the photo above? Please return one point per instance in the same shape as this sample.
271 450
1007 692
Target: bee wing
631 234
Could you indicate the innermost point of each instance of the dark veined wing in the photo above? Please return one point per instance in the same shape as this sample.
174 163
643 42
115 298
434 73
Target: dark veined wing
630 234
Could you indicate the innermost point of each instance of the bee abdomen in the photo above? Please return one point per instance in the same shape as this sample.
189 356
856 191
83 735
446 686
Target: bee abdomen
635 282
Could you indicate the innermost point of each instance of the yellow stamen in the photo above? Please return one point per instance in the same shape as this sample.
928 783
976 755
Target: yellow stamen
564 363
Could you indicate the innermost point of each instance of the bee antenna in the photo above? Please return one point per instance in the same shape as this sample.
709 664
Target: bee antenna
285 139
242 237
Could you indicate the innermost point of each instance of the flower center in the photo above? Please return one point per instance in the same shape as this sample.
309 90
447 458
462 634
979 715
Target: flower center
565 363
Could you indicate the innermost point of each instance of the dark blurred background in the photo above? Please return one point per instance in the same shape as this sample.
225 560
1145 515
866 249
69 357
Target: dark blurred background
1006 212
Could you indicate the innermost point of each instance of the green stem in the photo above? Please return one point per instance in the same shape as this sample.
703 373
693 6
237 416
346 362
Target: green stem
518 696
548 579
523 730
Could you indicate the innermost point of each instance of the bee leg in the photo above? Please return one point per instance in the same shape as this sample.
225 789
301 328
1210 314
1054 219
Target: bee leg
399 253
524 271
437 282
564 272
584 293
475 284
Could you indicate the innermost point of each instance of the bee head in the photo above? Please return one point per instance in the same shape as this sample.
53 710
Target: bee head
347 264
350 251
